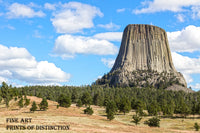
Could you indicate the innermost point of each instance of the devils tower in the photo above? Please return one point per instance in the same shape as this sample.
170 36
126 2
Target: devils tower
144 60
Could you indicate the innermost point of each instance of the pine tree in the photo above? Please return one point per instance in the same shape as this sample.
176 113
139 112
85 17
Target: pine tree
79 103
34 107
5 93
196 126
136 119
20 103
27 102
111 109
64 101
86 99
88 111
125 105
153 122
44 104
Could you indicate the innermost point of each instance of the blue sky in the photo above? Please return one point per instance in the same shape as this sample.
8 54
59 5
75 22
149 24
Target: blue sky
76 42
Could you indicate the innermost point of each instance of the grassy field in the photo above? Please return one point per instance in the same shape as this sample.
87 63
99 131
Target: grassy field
81 123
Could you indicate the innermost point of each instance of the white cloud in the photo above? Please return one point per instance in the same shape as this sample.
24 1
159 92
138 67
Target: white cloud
166 5
186 40
67 46
50 6
18 64
180 17
109 36
110 26
121 10
108 62
196 12
196 86
186 65
17 10
74 17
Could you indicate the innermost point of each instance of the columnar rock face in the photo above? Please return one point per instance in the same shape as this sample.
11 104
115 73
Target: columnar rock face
144 59
144 47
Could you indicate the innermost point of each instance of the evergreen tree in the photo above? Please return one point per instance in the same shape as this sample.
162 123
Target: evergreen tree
34 107
153 109
27 102
111 109
153 122
196 126
86 99
5 93
20 103
125 105
64 101
136 119
79 103
44 104
88 111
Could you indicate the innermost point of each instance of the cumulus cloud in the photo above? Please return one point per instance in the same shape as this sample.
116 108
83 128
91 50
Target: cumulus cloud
196 86
109 36
17 10
108 62
110 26
163 5
74 17
186 65
67 46
18 64
186 40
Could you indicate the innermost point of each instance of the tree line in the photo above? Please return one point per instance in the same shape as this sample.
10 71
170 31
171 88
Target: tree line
115 99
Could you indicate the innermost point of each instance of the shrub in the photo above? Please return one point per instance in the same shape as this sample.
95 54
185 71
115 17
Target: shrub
88 111
153 122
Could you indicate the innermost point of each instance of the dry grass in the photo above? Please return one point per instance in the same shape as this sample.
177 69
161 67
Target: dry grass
82 123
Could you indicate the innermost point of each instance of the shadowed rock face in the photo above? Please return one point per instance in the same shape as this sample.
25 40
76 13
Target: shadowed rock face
144 59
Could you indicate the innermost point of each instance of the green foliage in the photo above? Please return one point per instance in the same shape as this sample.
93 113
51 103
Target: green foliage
5 93
88 111
79 103
34 107
196 126
20 103
153 122
111 109
153 109
58 106
136 119
86 99
27 102
125 105
64 101
44 104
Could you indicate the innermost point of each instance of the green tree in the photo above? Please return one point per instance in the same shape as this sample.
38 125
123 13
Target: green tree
111 109
125 105
64 101
196 126
44 104
5 93
27 102
136 119
153 109
34 107
86 99
153 122
139 106
79 103
88 111
20 103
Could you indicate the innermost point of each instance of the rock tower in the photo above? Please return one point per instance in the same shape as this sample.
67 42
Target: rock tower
144 60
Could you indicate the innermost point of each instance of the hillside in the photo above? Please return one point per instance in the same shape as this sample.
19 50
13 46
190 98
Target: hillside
80 122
